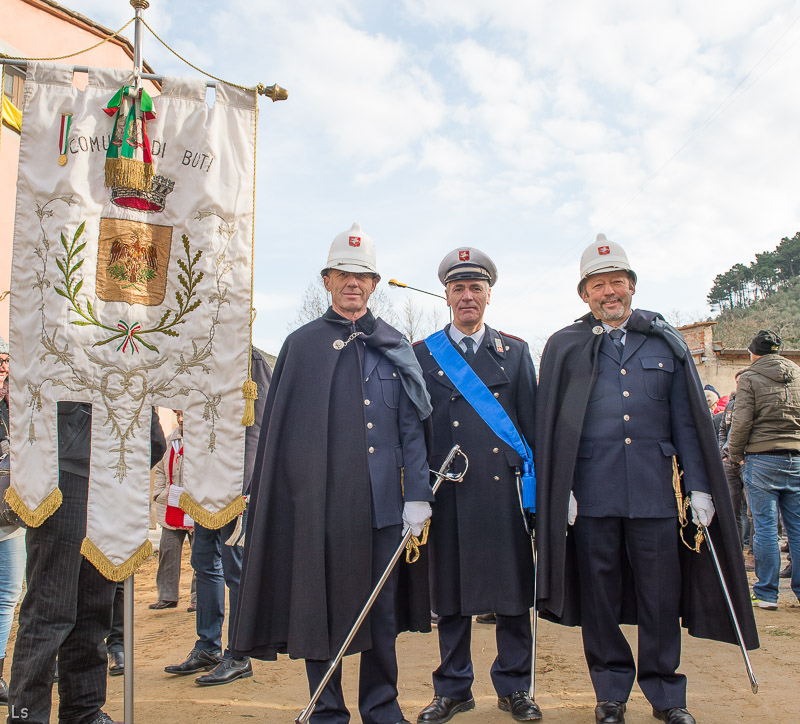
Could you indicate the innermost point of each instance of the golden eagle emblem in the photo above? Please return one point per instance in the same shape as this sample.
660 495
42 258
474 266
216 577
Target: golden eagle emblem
132 260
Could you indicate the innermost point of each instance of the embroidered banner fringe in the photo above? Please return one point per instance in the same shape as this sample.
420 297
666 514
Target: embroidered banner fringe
128 173
34 518
115 573
212 521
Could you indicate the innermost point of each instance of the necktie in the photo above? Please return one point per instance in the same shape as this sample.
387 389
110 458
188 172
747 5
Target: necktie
616 338
470 345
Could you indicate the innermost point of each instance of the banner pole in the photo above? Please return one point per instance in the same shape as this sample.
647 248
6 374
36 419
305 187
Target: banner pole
138 62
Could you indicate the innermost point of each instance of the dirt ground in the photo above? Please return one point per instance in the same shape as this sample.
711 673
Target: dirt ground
719 690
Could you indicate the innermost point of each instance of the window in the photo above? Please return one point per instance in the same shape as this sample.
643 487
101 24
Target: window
12 85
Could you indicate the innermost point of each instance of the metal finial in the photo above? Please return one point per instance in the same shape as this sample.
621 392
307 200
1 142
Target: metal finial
273 91
140 4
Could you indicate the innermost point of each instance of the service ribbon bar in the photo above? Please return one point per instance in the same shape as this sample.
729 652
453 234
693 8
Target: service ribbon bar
63 138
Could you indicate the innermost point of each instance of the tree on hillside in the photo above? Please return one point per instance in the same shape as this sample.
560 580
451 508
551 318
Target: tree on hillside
780 312
788 258
742 285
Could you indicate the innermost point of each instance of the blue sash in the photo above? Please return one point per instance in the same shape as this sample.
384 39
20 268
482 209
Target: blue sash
484 403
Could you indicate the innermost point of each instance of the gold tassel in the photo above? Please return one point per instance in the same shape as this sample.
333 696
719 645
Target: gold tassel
128 173
34 518
115 573
212 521
250 394
414 543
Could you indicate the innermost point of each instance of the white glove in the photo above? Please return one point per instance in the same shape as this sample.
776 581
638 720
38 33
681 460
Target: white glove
573 509
702 508
415 515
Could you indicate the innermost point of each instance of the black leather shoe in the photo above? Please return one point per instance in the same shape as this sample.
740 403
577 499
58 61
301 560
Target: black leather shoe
198 660
192 608
163 604
116 663
521 706
486 618
227 670
610 712
786 572
676 715
103 718
443 709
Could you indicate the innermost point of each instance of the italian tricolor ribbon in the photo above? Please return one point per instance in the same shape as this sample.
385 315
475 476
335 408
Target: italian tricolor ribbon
129 163
129 332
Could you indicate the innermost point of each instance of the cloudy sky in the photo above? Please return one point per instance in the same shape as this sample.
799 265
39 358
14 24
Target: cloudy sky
521 127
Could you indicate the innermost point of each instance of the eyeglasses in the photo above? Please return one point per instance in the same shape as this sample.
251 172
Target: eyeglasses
4 360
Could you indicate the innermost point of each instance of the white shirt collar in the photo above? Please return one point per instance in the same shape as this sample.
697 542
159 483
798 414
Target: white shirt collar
458 336
623 327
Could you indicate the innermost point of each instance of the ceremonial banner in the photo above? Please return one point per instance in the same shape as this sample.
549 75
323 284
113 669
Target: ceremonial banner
130 288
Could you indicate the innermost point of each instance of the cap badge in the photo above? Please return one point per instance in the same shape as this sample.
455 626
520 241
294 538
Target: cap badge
354 241
463 255
603 250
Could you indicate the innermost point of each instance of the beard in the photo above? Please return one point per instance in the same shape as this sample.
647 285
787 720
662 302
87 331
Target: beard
615 316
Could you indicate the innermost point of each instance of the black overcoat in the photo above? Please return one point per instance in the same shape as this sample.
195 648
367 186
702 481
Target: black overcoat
568 371
307 557
481 559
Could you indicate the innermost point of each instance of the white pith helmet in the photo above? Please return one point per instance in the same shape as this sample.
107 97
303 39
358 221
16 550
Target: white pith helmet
352 251
604 256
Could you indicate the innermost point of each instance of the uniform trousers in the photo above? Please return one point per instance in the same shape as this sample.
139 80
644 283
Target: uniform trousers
377 676
511 669
66 612
650 547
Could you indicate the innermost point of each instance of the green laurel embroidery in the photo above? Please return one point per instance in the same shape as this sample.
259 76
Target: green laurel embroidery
186 298
136 383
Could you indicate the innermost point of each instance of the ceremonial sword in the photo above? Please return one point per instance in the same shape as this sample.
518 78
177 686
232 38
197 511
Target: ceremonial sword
441 476
748 666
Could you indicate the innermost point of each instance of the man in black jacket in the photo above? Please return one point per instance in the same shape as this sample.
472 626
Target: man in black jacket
481 557
341 467
619 406
67 608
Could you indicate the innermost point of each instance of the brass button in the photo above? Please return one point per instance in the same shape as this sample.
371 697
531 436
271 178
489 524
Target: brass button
366 402
366 379
497 394
452 399
496 450
455 423
369 425
497 477
627 441
440 373
624 394
626 417
394 374
372 450
660 364
623 371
